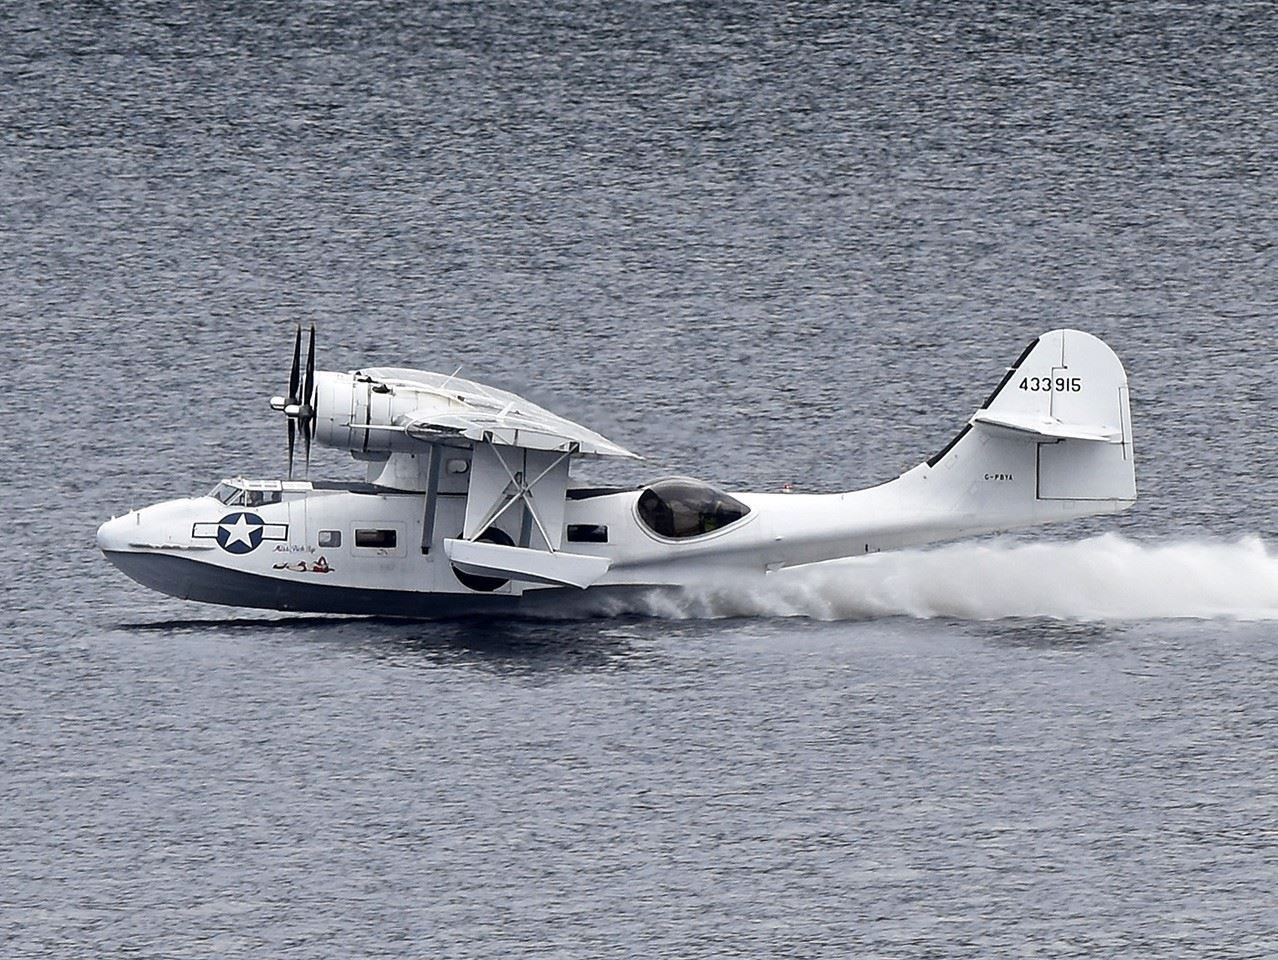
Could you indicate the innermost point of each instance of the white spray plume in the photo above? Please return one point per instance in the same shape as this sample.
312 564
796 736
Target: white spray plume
1108 577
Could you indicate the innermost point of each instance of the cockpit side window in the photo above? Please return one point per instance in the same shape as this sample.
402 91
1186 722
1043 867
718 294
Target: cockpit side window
687 508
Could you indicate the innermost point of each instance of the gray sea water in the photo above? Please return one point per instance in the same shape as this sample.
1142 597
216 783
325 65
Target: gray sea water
759 243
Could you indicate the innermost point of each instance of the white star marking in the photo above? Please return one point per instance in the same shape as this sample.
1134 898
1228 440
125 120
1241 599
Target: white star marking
239 531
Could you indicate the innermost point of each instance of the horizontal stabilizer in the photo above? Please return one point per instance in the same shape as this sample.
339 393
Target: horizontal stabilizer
1042 429
522 563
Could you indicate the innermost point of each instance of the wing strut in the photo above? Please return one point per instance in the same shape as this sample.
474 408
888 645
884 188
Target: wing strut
519 490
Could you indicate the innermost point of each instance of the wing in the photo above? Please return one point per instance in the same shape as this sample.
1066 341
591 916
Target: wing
450 408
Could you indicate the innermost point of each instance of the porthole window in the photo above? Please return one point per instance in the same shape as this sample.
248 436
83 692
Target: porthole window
687 508
331 538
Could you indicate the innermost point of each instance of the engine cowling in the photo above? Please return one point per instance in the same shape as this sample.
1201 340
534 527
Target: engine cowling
362 414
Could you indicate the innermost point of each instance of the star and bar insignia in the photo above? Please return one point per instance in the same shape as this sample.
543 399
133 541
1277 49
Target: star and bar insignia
240 532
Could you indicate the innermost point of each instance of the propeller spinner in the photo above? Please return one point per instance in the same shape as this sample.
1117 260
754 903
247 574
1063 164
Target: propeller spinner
299 407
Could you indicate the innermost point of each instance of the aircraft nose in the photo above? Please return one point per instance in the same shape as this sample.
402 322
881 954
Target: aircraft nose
113 535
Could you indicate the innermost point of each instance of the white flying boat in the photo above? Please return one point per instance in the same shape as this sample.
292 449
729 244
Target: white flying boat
469 506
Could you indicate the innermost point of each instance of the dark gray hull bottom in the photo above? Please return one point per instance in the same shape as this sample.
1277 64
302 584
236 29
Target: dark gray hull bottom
190 579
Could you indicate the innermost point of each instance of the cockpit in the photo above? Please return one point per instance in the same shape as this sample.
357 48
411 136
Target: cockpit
682 508
247 493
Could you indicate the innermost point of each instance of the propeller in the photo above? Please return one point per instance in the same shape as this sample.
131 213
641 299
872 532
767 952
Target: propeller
299 405
306 415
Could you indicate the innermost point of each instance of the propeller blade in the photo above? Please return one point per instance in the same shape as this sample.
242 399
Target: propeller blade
307 416
309 386
295 373
294 378
306 446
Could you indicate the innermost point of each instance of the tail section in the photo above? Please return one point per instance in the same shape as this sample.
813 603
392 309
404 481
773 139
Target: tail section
1052 442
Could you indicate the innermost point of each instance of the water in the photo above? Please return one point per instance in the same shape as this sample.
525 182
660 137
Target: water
760 245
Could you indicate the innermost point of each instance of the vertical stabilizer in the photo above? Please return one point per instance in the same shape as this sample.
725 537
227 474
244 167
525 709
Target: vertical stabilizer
1053 441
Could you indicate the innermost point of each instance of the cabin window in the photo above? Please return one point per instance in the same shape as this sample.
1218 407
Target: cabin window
256 498
587 533
687 508
331 538
381 539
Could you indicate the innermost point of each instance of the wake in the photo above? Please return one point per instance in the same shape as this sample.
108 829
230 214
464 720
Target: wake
1107 577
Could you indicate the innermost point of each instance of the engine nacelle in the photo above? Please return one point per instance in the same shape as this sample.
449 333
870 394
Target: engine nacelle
366 415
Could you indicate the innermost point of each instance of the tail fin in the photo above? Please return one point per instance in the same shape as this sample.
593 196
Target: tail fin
1053 441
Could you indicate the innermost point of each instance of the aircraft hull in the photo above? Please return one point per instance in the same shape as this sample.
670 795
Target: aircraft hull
189 579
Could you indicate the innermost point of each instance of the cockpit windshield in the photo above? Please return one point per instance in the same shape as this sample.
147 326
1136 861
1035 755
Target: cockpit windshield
687 508
227 494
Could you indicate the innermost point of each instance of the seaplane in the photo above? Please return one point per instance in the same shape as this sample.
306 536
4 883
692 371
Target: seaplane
469 506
